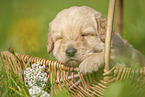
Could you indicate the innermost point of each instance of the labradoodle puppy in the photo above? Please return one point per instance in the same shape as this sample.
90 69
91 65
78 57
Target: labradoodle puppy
77 36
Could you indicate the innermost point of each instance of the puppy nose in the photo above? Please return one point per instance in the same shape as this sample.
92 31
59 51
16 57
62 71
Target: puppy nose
71 52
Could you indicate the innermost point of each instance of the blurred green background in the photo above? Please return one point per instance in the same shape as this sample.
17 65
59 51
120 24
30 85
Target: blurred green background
24 23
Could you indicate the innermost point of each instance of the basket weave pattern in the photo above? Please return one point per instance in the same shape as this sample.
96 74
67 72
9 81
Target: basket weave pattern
77 84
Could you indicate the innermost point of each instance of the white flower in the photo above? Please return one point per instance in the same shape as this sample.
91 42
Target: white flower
44 94
37 70
31 91
43 66
45 79
39 62
35 76
36 91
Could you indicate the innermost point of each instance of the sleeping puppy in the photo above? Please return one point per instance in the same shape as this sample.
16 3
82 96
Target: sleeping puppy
77 37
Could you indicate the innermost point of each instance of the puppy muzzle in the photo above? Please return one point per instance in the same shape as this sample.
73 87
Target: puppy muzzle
70 52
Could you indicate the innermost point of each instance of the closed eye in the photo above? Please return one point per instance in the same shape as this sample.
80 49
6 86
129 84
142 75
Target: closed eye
84 34
87 34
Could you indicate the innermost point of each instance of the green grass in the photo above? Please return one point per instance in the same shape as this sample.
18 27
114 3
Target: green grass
128 88
12 84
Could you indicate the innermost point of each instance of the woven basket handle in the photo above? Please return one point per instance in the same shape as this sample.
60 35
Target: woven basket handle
109 33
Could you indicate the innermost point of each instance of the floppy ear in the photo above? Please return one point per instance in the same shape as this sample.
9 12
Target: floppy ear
49 43
101 26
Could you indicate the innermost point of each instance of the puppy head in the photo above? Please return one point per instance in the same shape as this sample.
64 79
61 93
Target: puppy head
75 34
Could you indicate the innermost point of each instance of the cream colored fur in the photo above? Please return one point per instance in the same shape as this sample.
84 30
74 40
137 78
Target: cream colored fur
83 28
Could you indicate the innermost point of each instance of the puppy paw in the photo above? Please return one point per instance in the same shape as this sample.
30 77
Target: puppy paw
92 63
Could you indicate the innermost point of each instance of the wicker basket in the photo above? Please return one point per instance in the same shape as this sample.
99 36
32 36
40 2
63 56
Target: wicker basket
79 85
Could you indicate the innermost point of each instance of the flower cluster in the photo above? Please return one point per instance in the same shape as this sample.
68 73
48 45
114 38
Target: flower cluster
36 91
36 80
